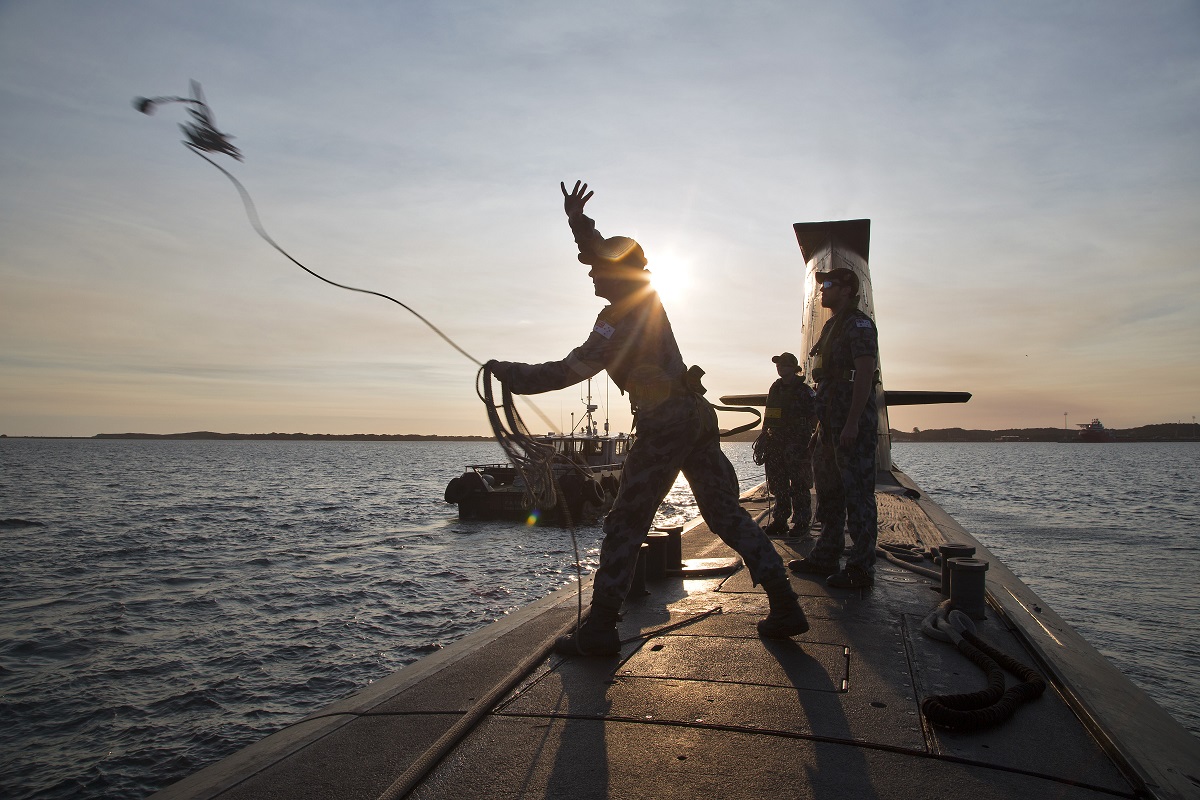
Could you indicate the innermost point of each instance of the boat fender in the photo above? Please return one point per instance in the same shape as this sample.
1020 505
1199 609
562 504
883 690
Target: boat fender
474 482
610 484
465 484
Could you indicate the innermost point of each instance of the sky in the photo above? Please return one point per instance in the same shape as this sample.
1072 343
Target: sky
1031 171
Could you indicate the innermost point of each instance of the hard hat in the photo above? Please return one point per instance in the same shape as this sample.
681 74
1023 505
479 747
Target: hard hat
615 251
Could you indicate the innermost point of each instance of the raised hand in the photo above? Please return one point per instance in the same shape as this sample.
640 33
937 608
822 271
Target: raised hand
574 201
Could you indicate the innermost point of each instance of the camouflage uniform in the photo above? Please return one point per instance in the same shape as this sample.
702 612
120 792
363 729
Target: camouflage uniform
676 431
788 465
845 478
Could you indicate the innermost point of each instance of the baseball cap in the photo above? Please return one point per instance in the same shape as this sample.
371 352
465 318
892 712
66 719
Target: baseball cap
842 276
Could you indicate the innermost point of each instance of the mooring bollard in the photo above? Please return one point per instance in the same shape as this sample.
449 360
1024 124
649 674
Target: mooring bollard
656 559
673 555
967 581
949 551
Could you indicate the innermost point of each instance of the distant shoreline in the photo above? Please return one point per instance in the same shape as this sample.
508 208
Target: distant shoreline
1166 432
279 437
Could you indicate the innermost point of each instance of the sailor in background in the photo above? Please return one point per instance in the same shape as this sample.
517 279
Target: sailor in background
845 360
787 429
676 431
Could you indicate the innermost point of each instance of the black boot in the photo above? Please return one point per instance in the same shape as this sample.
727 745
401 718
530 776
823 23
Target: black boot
786 617
597 636
778 527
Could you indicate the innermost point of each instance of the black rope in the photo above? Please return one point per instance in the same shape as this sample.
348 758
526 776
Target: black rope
534 462
252 214
992 705
203 136
749 426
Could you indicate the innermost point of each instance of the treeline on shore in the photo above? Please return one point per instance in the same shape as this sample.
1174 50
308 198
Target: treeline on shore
1166 432
322 437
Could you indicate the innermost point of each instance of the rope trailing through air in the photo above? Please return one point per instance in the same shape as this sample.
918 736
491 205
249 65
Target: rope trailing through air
532 459
203 136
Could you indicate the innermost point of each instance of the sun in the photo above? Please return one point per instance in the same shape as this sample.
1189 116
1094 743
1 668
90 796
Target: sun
670 274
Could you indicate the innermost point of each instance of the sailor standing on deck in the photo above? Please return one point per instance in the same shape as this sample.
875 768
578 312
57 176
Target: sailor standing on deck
845 359
787 429
676 431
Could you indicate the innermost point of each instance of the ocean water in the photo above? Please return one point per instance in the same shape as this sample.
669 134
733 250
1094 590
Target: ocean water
166 603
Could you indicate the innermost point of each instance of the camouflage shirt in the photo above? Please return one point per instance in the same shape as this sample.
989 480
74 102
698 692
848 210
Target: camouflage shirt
790 408
845 337
631 339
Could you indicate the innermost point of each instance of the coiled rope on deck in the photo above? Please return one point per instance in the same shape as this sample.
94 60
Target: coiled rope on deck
987 707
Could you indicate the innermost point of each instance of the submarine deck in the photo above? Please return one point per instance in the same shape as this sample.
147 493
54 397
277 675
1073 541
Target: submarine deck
697 704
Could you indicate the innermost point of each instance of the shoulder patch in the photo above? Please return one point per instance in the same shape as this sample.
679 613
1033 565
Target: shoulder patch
863 323
604 329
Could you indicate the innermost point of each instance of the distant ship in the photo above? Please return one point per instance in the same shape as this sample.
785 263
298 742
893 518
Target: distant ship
1095 431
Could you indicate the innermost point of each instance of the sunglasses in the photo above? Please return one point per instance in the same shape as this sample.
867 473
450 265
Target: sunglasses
831 284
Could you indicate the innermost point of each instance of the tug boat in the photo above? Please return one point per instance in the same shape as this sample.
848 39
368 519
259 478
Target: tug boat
586 469
1095 431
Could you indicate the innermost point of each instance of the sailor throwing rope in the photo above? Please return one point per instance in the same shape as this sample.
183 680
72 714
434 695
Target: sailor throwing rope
676 431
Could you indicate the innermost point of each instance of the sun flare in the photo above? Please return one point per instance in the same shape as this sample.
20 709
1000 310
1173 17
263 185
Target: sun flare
670 274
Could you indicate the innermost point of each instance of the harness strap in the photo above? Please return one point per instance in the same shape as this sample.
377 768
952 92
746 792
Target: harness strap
741 428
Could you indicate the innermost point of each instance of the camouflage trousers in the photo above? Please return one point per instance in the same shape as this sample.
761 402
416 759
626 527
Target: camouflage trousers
680 435
790 479
845 481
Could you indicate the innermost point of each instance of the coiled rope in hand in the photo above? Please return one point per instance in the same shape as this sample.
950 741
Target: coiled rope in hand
534 462
529 457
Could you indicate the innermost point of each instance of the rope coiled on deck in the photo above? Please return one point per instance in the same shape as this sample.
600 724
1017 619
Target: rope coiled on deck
987 707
